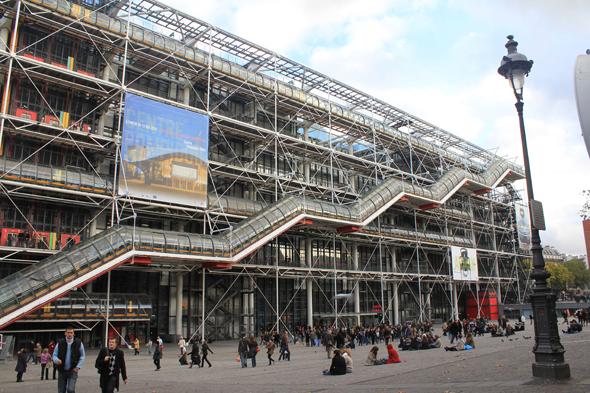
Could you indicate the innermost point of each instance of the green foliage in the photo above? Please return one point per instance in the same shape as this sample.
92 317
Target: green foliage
585 212
561 278
580 271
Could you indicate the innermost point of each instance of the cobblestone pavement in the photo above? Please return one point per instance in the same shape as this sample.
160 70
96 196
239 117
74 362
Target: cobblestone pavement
495 365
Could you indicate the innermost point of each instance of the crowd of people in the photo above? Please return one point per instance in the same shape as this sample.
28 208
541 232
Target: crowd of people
66 357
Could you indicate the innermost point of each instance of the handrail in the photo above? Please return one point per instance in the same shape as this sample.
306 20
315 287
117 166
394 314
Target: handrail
85 261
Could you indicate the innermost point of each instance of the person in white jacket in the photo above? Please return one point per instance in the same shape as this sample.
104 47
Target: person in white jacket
346 354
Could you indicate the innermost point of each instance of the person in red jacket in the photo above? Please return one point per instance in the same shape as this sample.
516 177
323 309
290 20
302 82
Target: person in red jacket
392 356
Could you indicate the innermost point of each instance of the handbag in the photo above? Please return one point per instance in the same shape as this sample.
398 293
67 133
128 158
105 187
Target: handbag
238 359
257 349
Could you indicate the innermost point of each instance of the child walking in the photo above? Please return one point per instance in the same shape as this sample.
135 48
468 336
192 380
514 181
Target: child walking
45 363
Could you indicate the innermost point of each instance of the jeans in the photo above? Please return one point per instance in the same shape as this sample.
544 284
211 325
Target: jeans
111 384
243 359
452 337
32 356
253 361
44 370
66 381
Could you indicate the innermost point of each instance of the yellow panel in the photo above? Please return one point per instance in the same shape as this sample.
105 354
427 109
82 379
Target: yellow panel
77 10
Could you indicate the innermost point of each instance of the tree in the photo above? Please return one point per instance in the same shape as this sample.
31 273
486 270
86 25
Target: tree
580 272
561 278
585 212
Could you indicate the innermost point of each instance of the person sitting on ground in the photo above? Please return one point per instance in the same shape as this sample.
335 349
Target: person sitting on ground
183 360
425 342
338 366
372 359
392 356
574 327
414 344
347 355
459 347
469 340
437 342
509 331
494 331
404 344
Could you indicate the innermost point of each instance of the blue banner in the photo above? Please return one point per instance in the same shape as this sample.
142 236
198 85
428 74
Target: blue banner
164 153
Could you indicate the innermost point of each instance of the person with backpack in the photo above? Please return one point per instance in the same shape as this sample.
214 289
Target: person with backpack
110 363
243 350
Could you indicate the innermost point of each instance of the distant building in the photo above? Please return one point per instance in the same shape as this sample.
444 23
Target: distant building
570 257
551 254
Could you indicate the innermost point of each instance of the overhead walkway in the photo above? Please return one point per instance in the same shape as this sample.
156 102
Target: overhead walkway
92 307
52 278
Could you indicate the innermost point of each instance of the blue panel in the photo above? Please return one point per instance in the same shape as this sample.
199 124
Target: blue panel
164 153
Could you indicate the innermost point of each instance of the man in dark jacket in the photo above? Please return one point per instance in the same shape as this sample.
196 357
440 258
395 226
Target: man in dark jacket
68 356
110 363
454 330
243 350
329 343
338 366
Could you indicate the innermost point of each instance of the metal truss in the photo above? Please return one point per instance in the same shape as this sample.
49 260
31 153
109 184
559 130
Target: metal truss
250 122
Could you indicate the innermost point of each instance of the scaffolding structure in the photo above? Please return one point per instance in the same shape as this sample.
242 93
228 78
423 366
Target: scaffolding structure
281 134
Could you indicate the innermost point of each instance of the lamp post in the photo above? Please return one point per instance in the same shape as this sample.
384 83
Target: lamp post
549 359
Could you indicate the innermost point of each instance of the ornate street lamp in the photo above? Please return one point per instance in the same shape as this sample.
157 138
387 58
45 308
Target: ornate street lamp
549 361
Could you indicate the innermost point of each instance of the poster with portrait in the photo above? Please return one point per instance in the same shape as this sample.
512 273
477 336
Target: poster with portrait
464 262
523 226
164 153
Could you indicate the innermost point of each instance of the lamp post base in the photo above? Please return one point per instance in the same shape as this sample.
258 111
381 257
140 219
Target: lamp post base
549 353
551 371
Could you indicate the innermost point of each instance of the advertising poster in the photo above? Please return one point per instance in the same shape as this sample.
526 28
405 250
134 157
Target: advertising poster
164 153
523 225
464 264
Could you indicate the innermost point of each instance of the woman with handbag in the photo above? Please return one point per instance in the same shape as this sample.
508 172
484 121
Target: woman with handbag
271 349
46 362
252 350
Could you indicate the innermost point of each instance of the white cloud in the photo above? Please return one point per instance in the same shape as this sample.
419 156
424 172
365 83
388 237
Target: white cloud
438 61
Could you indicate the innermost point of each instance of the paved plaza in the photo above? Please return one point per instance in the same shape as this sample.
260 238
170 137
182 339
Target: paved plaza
495 365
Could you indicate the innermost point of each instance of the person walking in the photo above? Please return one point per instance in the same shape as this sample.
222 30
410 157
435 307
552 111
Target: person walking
182 345
38 352
157 356
531 318
270 350
31 352
243 350
136 346
45 363
195 357
69 357
252 350
285 353
204 350
149 347
110 363
21 364
51 348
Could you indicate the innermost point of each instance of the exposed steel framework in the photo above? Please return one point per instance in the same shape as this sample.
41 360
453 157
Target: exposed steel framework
279 132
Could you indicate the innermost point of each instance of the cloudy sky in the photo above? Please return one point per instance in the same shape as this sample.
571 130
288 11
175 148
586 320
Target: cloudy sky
438 60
